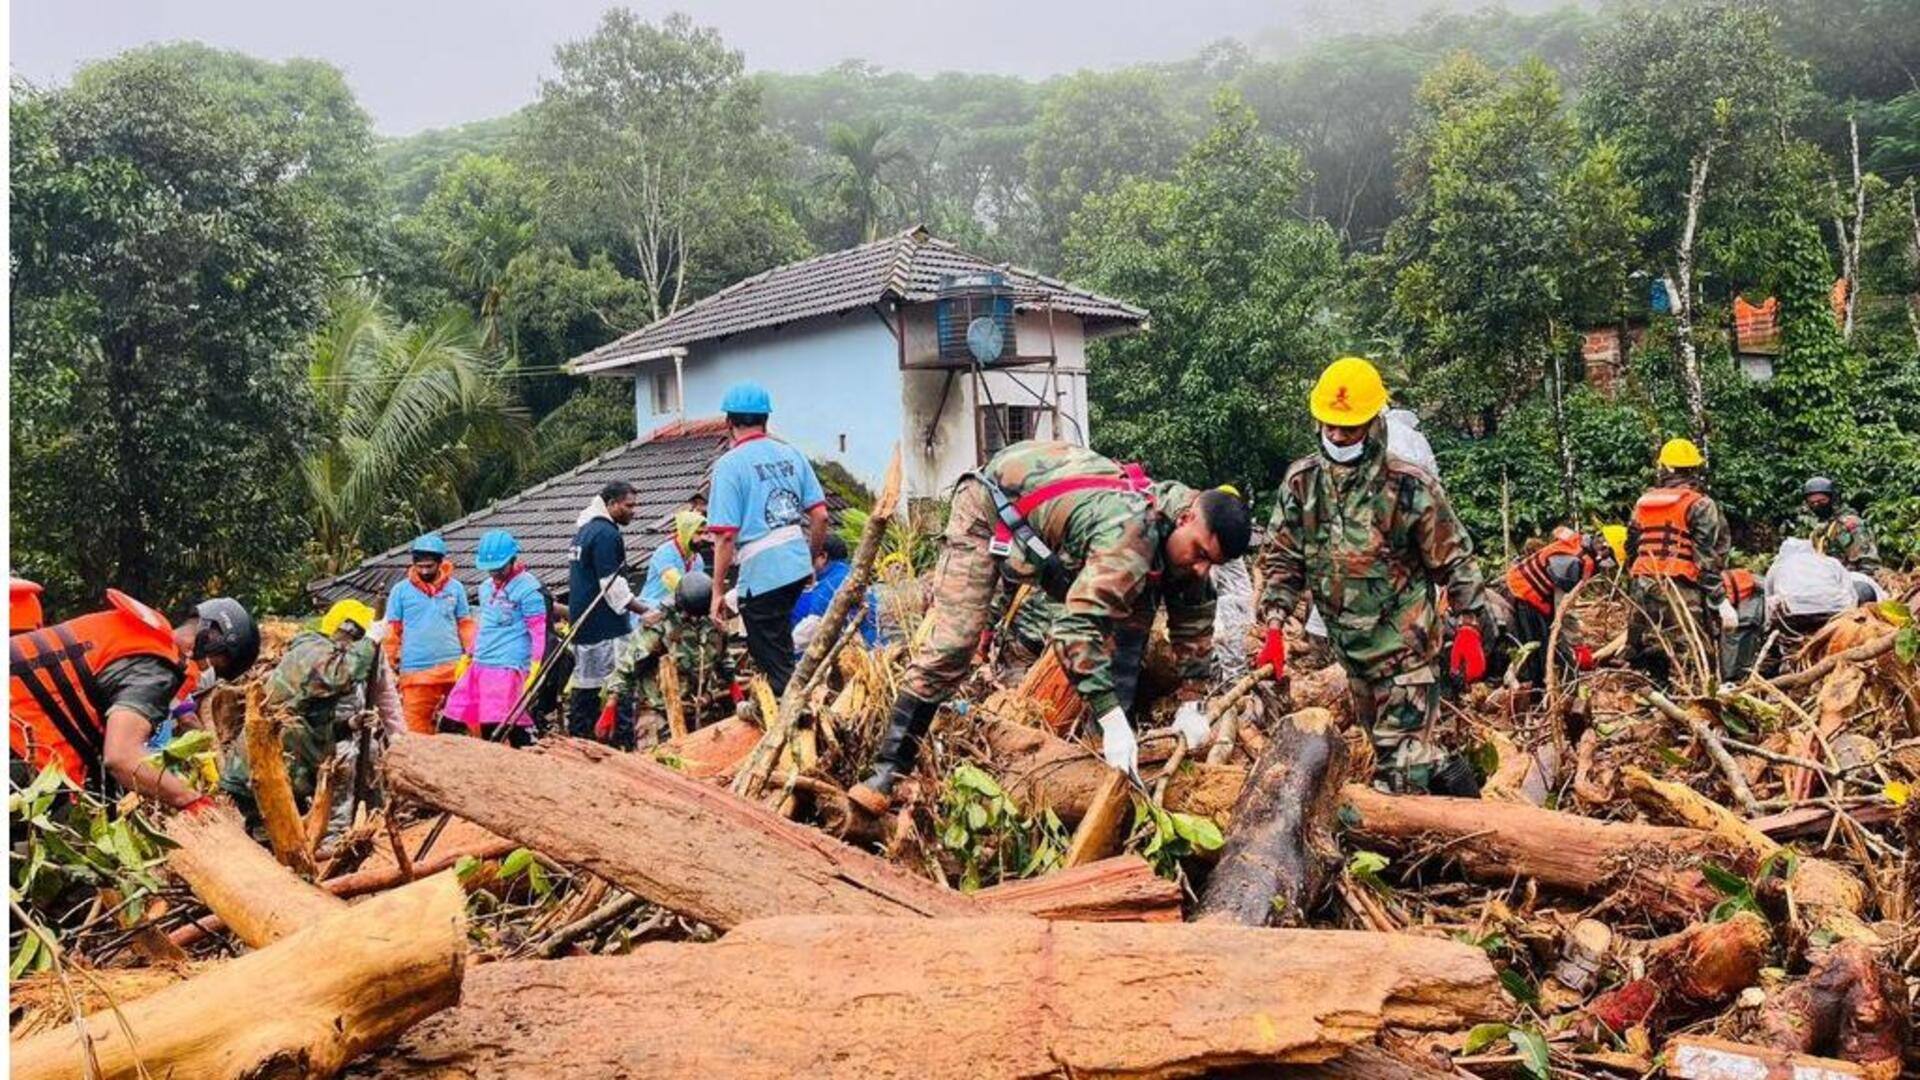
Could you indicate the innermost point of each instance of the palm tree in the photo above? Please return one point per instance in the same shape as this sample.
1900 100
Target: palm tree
408 413
858 144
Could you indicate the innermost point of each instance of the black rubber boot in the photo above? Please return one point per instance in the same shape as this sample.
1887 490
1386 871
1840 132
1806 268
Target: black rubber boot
1457 778
898 751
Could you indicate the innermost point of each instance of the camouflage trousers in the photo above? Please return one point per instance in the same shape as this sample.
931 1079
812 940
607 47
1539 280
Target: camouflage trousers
1397 711
963 585
1662 619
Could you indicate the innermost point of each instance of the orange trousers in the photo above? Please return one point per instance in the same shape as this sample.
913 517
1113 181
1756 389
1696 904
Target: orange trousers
422 693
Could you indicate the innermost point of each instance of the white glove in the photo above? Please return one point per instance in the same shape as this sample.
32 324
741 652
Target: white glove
1190 722
1729 618
1117 744
377 633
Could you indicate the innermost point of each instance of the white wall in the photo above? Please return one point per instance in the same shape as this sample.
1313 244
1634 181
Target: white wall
835 383
931 470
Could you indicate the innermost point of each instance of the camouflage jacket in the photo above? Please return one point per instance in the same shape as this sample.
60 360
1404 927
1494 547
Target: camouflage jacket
1374 542
1711 543
698 651
1112 543
324 684
1845 536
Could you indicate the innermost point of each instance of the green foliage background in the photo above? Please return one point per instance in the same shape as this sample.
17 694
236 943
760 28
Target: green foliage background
1457 196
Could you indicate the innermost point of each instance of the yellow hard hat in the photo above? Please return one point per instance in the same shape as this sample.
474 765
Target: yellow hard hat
1349 393
1617 540
1681 454
1231 490
348 610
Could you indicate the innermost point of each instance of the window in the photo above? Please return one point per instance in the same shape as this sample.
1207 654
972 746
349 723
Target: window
1003 425
666 393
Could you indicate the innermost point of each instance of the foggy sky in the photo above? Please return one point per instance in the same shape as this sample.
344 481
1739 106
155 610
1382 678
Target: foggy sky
419 64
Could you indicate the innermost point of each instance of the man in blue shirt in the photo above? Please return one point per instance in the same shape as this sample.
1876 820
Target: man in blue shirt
598 600
768 516
675 553
830 569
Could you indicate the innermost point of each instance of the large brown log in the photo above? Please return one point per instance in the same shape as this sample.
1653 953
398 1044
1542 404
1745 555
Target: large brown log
303 1006
1281 843
690 847
259 899
272 790
1654 868
1121 889
870 998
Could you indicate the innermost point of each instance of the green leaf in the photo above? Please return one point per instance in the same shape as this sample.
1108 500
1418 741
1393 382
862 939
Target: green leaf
1482 1036
464 867
1671 756
1907 645
1366 864
976 816
1725 880
23 957
188 746
515 864
1533 1048
1197 830
537 879
1519 987
1896 612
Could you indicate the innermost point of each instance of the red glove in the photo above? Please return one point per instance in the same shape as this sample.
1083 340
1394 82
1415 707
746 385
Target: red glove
1583 658
735 692
198 806
1273 651
1468 661
603 727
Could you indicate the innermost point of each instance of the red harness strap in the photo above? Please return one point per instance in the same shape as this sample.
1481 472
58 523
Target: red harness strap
1134 480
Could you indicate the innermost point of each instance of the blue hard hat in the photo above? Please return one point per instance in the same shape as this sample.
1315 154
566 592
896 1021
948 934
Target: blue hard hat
497 549
429 544
747 397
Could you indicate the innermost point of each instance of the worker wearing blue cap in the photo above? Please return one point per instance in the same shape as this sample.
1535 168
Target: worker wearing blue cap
768 517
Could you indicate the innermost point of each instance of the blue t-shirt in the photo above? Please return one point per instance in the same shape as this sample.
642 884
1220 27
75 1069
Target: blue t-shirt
504 640
827 582
655 593
762 486
429 625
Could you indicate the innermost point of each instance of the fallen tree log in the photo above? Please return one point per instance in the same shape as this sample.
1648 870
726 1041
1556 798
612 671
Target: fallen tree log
303 1006
272 790
711 752
690 847
1832 896
1688 974
871 997
1849 1006
260 900
1649 868
1121 889
1281 843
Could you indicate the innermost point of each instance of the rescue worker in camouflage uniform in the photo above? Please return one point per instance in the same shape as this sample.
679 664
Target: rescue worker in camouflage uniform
326 681
1374 539
679 633
1676 555
1094 535
1837 530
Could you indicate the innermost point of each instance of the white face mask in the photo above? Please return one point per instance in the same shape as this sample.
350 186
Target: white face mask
1345 455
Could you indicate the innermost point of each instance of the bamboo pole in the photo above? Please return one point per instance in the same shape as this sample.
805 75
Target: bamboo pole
752 779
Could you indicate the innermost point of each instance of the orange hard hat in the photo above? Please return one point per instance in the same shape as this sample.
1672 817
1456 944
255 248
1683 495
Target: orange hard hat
23 606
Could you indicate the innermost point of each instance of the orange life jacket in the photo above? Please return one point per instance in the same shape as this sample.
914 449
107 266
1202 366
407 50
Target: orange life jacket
55 707
1666 542
1528 579
1740 586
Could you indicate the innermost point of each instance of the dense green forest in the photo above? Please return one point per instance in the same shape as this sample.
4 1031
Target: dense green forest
253 342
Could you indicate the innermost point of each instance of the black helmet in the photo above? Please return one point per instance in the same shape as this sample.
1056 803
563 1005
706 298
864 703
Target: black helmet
694 594
1818 485
227 636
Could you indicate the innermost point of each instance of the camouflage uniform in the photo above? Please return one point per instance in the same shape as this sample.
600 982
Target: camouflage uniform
323 685
1110 544
1660 603
696 648
1374 542
1845 536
